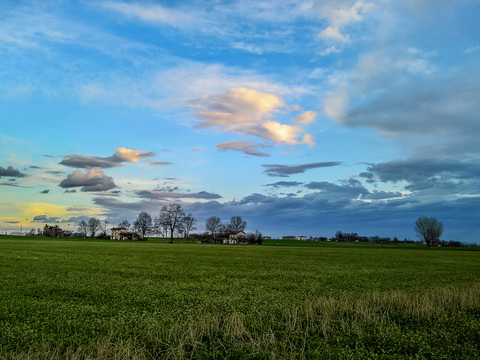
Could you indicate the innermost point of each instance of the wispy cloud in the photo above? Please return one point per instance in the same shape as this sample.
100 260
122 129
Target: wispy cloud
246 147
165 194
287 170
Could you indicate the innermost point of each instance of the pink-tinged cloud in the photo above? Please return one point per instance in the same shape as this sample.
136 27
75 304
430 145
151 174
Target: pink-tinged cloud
250 112
246 147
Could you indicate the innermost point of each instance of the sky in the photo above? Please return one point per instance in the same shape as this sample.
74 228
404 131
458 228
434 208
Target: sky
302 117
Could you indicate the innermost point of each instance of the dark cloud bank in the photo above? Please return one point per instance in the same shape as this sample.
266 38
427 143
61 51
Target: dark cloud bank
445 189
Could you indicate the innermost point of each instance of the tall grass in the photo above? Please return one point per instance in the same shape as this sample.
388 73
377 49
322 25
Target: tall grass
433 324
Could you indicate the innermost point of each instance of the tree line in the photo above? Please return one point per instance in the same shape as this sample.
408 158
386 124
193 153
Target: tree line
172 222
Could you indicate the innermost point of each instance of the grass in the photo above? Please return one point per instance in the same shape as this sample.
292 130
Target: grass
77 299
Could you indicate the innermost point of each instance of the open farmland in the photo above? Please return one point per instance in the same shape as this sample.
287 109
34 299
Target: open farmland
79 299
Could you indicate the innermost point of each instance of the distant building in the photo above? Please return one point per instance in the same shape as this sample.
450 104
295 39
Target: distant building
235 237
302 238
120 233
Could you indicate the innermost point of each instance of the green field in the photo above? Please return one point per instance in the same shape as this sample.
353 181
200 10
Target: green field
100 299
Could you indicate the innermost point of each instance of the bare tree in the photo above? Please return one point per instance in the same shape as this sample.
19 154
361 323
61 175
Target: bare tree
83 228
237 224
93 226
430 229
124 224
172 217
189 225
104 227
143 223
212 224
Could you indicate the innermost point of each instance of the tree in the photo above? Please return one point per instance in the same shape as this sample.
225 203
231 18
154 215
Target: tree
93 226
83 228
52 231
189 225
143 223
104 227
237 224
124 224
255 238
430 229
212 224
172 217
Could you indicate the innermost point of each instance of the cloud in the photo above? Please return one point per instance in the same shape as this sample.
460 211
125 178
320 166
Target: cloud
46 219
348 190
46 191
418 169
121 155
284 184
250 112
287 170
158 163
93 180
235 108
340 17
10 172
333 33
246 147
171 16
380 195
330 50
170 194
428 178
472 49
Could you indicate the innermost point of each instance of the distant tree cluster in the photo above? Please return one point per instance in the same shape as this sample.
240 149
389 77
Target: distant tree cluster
55 231
217 231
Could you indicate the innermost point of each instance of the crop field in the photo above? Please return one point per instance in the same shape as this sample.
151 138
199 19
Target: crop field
100 299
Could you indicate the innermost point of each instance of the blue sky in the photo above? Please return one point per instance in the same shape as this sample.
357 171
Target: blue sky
303 117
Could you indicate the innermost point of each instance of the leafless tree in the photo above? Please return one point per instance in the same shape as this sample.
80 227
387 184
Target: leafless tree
430 229
124 224
143 223
172 217
212 224
189 225
104 227
237 224
93 226
83 228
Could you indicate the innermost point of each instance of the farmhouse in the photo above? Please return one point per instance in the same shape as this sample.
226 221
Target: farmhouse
302 238
235 237
120 233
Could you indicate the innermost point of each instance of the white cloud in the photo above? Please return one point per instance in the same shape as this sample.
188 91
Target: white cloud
154 13
306 117
330 50
333 33
340 17
472 49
